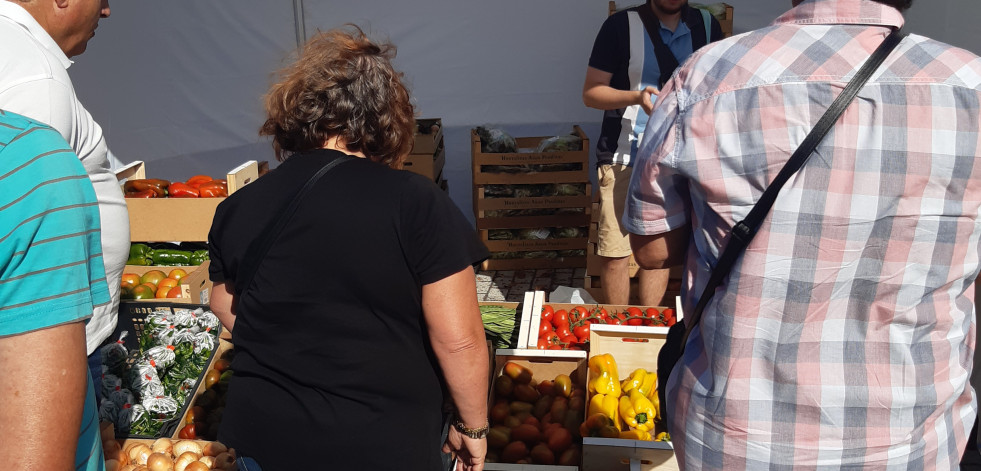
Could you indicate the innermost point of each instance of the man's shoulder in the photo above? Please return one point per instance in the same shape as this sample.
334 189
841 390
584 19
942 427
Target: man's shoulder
937 60
25 57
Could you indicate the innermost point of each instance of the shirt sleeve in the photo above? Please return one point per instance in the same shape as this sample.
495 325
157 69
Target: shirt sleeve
438 240
609 52
51 269
658 194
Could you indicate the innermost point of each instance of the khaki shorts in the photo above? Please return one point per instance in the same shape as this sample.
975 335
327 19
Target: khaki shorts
613 181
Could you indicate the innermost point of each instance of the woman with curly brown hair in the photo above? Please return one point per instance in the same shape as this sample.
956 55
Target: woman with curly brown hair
366 303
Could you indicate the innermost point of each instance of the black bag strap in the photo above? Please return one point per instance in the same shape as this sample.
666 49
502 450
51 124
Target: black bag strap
744 231
260 245
667 63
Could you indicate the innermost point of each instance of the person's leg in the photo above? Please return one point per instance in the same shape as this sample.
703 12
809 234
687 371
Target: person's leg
613 246
652 284
616 280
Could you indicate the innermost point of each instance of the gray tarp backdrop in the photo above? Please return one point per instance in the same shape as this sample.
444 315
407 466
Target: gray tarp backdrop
178 84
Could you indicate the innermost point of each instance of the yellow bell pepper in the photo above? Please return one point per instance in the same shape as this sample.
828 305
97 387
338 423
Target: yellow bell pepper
663 437
641 380
656 402
636 434
606 405
604 372
637 411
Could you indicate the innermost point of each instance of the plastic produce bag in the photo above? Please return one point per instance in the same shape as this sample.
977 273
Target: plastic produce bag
495 140
560 144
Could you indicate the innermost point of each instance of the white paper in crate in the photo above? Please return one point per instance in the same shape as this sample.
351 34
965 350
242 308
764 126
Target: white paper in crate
569 295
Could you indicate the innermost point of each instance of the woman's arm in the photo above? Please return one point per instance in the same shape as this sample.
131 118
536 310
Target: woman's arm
457 335
223 303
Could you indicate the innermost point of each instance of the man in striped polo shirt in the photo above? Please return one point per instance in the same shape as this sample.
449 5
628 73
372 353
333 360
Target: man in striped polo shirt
843 337
635 52
51 278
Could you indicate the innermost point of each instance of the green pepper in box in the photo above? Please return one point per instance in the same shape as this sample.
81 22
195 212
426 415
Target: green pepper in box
199 256
171 257
139 254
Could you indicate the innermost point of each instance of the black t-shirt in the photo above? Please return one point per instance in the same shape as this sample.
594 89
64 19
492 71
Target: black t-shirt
333 365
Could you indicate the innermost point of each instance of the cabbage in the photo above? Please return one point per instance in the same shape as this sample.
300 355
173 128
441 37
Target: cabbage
560 144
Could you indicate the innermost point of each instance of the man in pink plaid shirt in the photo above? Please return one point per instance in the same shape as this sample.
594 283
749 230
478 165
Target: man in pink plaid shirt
844 336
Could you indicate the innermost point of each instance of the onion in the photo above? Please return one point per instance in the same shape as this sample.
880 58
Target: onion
185 459
224 461
187 445
160 462
214 449
197 466
139 453
112 465
208 460
129 467
163 445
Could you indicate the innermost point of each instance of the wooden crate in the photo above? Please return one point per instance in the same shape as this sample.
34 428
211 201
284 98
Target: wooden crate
427 165
492 212
426 143
178 219
527 156
543 365
632 348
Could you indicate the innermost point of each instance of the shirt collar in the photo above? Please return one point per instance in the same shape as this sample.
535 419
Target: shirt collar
849 12
19 15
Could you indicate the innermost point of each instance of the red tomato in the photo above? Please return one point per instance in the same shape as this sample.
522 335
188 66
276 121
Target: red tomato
555 347
544 328
542 343
669 316
547 312
570 339
651 313
634 311
636 321
582 332
563 331
577 314
560 317
601 313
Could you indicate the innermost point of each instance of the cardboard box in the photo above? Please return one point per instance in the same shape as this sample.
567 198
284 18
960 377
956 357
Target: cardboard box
427 143
177 219
526 155
427 165
543 365
632 348
195 287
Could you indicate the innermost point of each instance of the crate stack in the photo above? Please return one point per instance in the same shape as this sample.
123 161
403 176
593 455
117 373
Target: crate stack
177 220
532 209
428 154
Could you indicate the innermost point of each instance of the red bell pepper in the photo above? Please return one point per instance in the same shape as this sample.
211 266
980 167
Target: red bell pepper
182 190
213 189
197 180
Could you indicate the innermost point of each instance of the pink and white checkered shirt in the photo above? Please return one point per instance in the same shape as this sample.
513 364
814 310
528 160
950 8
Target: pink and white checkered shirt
844 335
